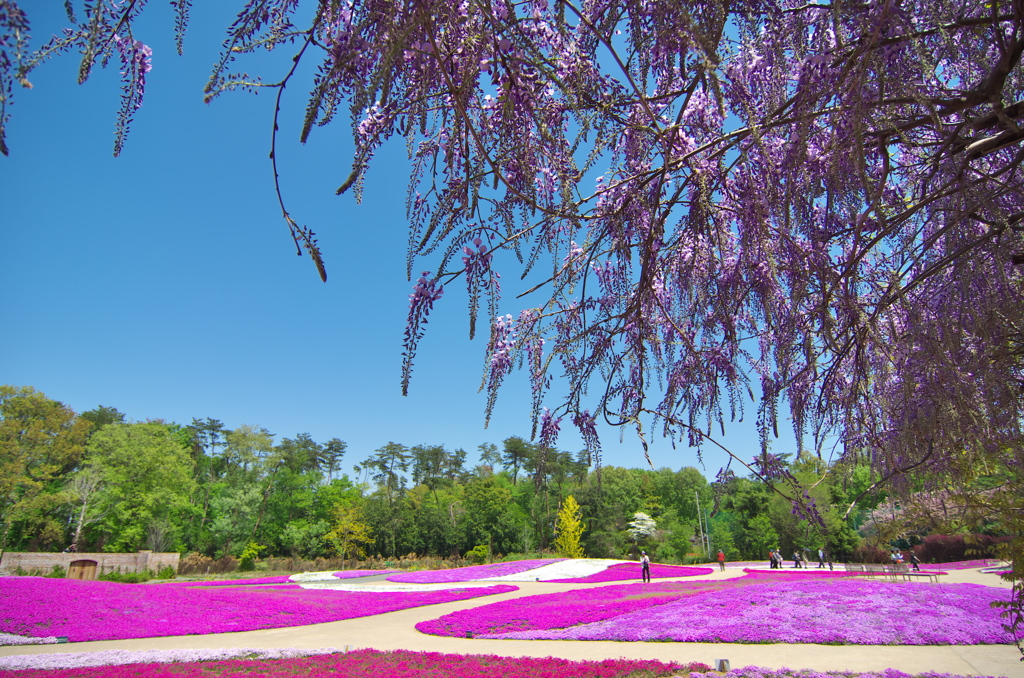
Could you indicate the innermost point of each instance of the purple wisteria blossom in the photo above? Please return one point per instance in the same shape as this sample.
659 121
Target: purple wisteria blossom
471 573
136 60
425 293
98 610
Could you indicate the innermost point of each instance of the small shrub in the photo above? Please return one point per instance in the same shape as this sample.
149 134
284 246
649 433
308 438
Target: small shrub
223 565
57 572
478 554
127 577
514 557
195 563
870 554
951 548
247 561
166 572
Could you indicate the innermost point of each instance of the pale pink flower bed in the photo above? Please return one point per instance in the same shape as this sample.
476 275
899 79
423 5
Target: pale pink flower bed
355 574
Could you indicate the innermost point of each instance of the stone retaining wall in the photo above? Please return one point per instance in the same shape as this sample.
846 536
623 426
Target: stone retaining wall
43 563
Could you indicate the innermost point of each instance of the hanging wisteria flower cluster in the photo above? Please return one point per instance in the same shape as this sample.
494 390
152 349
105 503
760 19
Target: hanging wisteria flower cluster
816 205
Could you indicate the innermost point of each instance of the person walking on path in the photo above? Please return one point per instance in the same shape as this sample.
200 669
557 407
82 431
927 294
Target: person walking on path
821 559
796 559
721 560
914 561
645 567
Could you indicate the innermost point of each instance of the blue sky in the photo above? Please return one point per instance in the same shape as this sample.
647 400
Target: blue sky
164 282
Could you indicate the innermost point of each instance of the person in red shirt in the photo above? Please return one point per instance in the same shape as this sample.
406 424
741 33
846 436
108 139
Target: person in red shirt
721 560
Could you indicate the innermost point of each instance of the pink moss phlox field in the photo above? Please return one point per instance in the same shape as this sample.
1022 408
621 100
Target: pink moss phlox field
283 579
581 606
752 576
232 582
78 660
376 664
99 610
627 571
757 672
407 664
962 565
834 612
471 573
554 615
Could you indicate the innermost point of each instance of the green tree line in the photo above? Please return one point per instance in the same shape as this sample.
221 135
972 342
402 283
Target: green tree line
101 483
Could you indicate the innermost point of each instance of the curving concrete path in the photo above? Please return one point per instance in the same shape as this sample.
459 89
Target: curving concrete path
396 630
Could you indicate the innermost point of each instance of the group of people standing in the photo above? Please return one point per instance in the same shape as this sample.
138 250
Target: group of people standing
645 565
800 560
775 561
897 558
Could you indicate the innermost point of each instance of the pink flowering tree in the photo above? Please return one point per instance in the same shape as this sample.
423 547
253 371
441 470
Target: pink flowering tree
809 210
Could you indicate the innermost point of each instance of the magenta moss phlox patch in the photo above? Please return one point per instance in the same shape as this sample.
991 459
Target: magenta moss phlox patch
627 571
99 610
471 573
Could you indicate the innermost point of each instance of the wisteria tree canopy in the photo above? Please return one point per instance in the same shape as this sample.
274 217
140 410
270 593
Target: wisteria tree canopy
794 211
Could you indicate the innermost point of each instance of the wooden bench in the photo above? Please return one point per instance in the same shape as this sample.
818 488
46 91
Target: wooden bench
873 570
868 570
903 570
892 572
932 576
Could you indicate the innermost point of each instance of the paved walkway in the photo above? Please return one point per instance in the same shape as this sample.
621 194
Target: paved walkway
396 630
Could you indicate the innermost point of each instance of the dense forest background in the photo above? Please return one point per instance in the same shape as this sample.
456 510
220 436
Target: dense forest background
102 483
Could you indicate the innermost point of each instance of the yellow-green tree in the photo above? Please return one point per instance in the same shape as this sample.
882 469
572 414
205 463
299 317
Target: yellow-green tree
349 532
568 529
